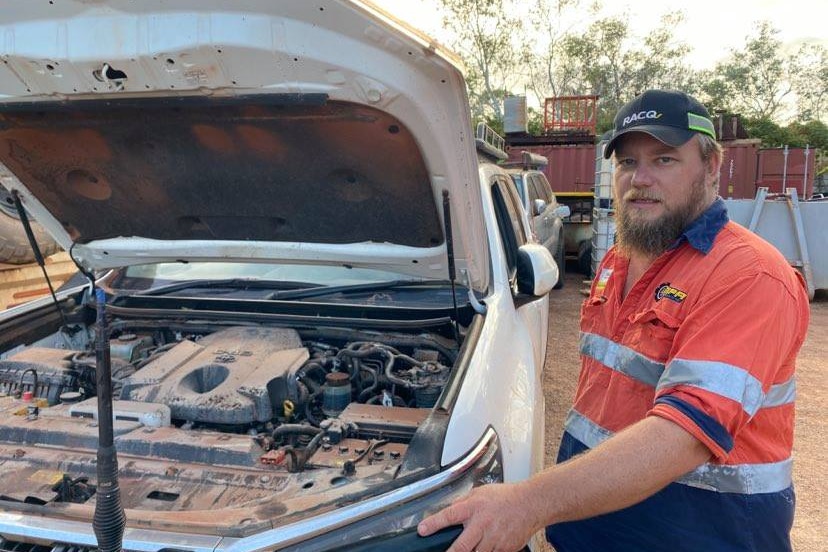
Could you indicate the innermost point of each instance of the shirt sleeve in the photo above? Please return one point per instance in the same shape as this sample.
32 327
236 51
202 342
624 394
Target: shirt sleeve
728 351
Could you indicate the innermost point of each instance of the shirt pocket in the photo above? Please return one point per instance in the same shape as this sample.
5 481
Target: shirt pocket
652 333
592 314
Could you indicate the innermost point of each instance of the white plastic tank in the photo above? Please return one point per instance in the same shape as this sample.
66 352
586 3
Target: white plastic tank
515 118
603 177
603 234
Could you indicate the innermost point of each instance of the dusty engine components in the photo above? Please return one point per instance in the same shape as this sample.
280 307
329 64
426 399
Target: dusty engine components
45 372
234 376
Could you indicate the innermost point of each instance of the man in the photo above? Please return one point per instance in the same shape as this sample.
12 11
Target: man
681 433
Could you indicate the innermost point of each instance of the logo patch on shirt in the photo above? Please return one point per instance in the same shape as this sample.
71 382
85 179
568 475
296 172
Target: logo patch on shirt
603 279
666 291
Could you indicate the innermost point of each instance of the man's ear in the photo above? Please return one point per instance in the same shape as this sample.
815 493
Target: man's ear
713 165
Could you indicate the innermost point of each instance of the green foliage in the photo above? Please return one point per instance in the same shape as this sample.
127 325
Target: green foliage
566 47
771 134
810 82
761 82
534 122
811 133
484 33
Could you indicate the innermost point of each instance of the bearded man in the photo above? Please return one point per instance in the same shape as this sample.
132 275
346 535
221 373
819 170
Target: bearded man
681 433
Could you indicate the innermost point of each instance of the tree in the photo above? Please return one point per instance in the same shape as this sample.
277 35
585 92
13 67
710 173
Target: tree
810 82
755 81
484 31
575 51
613 64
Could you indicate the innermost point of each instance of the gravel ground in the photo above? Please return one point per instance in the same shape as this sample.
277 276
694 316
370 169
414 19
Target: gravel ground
810 531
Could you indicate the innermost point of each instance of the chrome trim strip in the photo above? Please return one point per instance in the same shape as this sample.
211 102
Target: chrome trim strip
621 359
27 527
720 378
738 478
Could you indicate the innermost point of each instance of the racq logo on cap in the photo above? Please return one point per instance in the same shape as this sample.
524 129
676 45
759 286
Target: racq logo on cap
652 114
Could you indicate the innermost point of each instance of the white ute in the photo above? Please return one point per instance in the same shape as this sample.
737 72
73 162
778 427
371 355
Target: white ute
317 302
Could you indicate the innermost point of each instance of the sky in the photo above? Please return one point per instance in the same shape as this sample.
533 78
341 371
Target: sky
711 27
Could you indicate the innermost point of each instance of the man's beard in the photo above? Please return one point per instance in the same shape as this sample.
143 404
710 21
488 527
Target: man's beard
653 237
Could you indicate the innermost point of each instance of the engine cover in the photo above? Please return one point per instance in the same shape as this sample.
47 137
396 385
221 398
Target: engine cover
233 376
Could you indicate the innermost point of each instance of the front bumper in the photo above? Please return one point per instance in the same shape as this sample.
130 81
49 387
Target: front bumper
383 522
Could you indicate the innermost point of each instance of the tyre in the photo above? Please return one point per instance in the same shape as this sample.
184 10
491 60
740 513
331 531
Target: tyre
14 245
560 260
585 258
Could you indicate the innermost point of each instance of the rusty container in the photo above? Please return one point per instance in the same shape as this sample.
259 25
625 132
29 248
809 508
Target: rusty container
776 170
738 172
571 167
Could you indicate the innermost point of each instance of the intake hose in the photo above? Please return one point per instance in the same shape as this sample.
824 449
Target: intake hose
109 519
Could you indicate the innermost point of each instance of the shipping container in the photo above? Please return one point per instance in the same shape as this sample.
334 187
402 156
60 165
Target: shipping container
571 167
738 172
778 168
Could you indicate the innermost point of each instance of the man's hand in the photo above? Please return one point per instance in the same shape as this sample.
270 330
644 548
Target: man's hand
495 518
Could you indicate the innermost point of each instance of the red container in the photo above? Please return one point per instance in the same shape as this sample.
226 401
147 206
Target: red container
738 173
773 169
571 167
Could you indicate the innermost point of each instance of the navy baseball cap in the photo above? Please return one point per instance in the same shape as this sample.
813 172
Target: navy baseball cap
669 116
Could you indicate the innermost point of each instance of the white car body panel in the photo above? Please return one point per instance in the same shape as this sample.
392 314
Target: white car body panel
347 50
504 383
353 53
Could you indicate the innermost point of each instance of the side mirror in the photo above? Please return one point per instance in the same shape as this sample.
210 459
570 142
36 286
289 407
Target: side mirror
537 272
563 211
538 207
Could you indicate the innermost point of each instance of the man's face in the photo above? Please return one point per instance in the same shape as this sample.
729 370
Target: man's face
659 190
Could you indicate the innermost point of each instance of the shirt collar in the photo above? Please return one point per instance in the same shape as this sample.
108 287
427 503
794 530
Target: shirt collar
701 233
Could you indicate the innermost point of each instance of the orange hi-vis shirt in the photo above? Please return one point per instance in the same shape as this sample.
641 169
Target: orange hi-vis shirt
707 338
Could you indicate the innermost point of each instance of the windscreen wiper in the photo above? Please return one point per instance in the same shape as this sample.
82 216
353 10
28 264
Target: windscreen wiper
353 288
238 283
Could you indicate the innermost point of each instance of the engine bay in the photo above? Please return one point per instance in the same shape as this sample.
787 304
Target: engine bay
224 418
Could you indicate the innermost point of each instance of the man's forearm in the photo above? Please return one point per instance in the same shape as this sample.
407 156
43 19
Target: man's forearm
623 471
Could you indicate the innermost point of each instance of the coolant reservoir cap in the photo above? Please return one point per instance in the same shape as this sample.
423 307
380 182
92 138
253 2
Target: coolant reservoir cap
337 379
70 397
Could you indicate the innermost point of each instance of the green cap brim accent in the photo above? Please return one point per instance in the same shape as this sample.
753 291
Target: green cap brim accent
701 124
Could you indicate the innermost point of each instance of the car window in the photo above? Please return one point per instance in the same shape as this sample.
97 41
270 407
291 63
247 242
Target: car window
509 224
534 191
520 183
543 191
545 188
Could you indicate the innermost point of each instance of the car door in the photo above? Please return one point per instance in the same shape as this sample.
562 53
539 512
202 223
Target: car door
513 234
541 220
553 222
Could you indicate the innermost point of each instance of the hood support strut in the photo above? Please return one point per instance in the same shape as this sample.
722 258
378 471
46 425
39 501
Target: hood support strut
451 266
24 219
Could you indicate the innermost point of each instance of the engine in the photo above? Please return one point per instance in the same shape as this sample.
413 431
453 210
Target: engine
295 394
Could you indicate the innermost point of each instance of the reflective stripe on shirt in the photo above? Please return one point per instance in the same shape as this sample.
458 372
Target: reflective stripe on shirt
621 358
780 394
738 478
720 378
717 377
